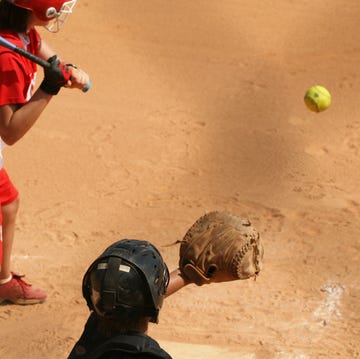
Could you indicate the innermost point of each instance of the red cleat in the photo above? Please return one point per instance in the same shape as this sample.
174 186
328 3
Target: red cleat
19 292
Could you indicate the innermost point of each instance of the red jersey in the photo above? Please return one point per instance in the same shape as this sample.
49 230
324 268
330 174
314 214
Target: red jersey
18 74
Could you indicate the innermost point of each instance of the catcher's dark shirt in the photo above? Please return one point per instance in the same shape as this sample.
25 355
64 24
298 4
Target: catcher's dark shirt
92 345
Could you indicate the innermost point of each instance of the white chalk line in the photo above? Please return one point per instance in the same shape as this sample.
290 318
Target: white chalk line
331 307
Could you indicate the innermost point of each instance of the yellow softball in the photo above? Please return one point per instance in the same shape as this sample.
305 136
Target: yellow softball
317 98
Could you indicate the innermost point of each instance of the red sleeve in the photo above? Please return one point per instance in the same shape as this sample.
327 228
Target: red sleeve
17 74
12 80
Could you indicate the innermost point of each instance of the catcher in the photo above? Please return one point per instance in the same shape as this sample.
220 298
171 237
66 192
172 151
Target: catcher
125 286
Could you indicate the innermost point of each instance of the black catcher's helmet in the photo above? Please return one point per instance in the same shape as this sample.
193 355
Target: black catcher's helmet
129 278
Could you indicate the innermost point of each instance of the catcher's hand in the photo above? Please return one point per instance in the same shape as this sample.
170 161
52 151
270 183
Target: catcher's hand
220 247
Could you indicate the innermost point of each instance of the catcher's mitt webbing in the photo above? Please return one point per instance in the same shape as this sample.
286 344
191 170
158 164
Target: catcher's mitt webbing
220 247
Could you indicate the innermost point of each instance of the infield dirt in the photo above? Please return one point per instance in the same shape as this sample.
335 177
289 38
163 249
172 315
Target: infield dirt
198 106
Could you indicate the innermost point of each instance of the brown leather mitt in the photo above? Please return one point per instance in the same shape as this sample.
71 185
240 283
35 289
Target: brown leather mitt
220 247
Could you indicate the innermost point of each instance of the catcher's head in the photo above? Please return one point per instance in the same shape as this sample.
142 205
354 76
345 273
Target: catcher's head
54 11
128 280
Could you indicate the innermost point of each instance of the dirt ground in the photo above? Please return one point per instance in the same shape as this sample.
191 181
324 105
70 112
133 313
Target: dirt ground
198 106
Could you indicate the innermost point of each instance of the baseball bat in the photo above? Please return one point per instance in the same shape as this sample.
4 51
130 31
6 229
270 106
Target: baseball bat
32 57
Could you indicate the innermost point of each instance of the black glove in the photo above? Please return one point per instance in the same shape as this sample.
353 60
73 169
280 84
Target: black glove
55 76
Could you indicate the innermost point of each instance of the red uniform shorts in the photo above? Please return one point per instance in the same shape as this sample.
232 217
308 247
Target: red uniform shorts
8 194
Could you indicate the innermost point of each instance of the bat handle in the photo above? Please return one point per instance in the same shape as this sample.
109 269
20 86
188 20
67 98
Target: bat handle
86 87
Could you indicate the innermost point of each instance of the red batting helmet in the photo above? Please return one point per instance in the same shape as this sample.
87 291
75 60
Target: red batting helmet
46 10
